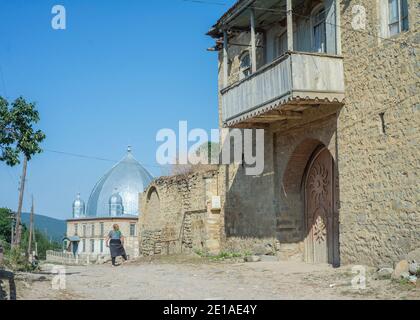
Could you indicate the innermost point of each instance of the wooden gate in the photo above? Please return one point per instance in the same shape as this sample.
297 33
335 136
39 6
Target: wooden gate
321 218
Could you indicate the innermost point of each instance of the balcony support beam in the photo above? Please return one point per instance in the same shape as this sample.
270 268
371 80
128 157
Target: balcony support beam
338 27
253 42
289 10
225 59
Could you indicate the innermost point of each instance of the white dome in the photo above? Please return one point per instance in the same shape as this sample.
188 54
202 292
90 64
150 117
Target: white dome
130 178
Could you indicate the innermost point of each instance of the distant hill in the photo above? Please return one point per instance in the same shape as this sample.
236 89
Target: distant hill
53 228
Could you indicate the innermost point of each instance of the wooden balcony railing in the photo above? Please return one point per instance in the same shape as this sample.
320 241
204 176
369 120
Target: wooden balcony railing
294 76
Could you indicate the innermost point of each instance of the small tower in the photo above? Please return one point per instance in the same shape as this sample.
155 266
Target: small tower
116 208
78 208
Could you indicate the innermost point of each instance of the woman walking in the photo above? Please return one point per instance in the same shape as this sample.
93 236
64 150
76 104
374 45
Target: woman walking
115 242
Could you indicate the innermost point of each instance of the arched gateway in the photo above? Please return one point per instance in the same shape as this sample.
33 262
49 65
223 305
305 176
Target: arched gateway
321 217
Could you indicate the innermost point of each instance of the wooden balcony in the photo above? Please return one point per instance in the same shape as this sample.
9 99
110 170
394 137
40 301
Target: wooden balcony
283 89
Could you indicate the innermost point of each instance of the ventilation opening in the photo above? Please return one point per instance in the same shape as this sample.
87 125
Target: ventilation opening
383 125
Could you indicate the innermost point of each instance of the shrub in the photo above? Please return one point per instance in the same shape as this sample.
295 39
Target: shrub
16 260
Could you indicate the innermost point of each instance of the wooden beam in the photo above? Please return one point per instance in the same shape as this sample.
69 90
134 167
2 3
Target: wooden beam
225 59
338 27
253 42
289 10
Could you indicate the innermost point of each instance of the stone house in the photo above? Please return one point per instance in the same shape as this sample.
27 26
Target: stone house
335 86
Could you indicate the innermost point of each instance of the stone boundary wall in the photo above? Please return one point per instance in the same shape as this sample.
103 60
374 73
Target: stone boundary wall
66 258
178 216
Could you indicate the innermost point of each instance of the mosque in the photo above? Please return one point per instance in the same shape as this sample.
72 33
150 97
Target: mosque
114 199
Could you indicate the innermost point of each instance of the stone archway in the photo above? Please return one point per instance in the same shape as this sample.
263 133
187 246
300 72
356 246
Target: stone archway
321 217
152 214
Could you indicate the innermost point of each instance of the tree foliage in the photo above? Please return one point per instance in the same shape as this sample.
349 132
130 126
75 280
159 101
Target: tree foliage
5 225
17 133
42 241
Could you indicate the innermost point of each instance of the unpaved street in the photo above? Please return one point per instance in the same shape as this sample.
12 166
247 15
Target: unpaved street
184 278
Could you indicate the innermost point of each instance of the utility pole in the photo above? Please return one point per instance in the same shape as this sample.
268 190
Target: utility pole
34 240
12 227
18 229
31 228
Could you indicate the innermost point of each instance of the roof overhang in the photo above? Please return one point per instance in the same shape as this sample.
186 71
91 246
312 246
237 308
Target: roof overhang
237 18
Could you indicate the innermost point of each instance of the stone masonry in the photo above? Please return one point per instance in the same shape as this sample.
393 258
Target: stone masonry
178 217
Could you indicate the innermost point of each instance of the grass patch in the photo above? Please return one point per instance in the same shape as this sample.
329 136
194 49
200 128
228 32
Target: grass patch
224 255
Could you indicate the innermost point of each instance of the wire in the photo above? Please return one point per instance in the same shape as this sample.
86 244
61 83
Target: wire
207 2
77 155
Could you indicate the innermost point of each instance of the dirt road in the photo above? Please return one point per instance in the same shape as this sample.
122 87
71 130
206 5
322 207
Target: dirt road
185 278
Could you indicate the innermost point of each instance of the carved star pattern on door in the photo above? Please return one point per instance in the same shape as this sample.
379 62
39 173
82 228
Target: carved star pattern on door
320 230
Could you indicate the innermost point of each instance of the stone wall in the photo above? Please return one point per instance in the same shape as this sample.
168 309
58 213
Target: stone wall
379 162
177 215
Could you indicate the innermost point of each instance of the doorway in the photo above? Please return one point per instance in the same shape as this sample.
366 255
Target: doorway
321 216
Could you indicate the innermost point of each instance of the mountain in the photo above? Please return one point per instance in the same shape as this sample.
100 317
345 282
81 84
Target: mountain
53 228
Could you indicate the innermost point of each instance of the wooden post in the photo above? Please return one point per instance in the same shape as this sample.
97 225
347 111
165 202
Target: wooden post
1 254
12 227
225 59
289 10
36 244
253 43
338 27
18 229
31 228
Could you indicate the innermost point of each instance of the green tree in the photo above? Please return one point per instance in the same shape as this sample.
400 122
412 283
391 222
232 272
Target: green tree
17 133
18 136
5 225
43 243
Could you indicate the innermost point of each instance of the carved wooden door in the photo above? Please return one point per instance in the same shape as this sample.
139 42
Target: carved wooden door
321 226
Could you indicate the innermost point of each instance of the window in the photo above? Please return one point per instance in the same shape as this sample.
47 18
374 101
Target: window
245 65
92 230
397 16
319 31
102 229
101 245
132 230
84 230
92 246
76 229
280 46
84 245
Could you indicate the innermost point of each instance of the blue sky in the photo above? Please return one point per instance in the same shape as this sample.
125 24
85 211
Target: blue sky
121 71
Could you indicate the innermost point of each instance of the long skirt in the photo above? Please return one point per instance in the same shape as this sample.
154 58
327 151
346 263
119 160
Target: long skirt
116 248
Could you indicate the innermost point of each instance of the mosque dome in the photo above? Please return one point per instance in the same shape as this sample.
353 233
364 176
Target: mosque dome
116 207
78 207
125 180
